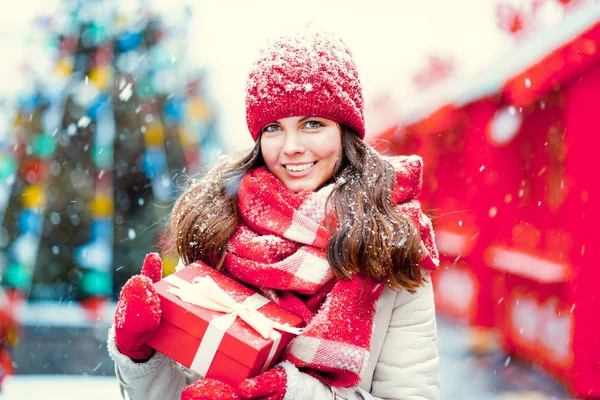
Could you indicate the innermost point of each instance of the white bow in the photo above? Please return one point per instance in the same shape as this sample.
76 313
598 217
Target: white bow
204 292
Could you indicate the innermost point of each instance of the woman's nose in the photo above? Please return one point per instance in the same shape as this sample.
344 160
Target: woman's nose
293 144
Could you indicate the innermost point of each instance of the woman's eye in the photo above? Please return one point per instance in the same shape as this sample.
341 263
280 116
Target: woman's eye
313 125
271 128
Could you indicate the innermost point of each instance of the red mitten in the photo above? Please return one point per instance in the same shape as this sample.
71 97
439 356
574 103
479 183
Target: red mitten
208 389
138 311
270 385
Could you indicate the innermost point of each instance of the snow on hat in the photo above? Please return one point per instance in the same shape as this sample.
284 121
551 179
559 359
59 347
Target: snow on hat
307 73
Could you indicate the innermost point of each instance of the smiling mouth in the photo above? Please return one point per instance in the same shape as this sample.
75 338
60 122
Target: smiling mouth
299 167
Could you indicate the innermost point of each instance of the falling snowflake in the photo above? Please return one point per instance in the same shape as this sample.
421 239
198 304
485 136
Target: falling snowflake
126 93
84 121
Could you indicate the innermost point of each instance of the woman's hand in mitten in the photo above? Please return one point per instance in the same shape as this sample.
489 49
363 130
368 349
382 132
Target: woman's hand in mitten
270 385
138 312
208 389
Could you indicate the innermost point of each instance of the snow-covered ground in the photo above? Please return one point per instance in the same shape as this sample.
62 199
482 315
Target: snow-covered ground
57 387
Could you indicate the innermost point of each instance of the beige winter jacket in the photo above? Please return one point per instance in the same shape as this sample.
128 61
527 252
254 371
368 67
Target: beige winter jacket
403 363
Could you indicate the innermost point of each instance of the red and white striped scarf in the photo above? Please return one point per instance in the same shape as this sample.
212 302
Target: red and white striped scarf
279 247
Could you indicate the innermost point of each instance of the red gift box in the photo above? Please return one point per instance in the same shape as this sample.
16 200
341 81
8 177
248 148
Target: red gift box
219 342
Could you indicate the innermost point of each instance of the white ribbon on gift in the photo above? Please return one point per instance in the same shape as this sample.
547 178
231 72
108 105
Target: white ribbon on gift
204 292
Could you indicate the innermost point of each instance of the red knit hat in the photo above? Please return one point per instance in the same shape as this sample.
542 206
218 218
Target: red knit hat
309 73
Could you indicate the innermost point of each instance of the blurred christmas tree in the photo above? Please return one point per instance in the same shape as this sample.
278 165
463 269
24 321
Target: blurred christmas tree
90 165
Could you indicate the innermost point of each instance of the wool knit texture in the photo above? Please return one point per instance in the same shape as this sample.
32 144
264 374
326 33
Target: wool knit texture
138 312
310 73
279 247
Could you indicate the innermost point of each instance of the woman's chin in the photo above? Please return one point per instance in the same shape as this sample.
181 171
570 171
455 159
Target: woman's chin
299 186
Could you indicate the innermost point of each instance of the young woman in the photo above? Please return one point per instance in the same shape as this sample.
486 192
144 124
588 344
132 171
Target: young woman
318 222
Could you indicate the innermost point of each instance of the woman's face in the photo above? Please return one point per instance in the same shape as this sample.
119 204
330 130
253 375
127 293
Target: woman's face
302 151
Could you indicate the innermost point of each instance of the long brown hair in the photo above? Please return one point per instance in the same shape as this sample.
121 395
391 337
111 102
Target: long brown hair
370 236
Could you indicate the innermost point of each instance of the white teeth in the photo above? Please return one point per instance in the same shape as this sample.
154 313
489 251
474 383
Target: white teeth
297 168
